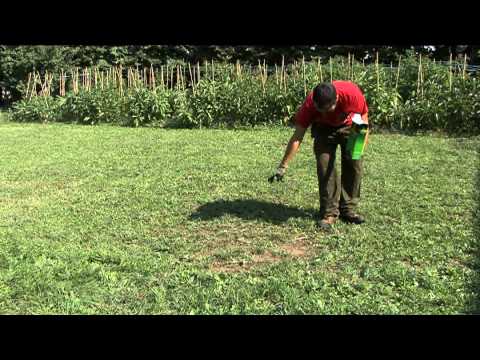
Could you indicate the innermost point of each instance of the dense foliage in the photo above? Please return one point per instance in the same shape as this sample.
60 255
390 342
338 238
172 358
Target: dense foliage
17 61
419 94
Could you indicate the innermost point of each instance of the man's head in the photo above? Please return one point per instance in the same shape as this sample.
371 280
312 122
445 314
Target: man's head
325 97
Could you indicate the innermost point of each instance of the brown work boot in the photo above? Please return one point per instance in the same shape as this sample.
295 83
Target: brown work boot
352 218
326 223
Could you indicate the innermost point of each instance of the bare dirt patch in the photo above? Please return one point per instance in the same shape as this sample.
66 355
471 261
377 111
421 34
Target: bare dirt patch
239 266
299 248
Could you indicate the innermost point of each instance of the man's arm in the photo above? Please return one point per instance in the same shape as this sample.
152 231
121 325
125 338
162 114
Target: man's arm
293 145
290 151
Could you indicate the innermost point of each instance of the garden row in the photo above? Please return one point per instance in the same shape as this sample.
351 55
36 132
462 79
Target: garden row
415 93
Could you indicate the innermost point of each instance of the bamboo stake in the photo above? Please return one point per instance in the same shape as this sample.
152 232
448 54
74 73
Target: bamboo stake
260 76
331 70
320 69
28 84
60 83
353 72
77 75
167 75
133 79
34 85
120 79
45 84
398 72
195 78
199 73
29 92
184 77
276 74
48 79
191 77
282 72
177 82
42 84
73 80
161 78
64 83
171 78
152 78
391 70
419 74
90 79
37 81
101 79
181 77
50 82
304 78
265 72
294 73
348 67
378 72
213 71
465 67
60 78
450 72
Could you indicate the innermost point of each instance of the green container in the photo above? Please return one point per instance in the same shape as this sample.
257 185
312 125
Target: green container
356 140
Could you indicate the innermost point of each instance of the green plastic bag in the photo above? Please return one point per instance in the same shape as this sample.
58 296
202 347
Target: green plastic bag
357 138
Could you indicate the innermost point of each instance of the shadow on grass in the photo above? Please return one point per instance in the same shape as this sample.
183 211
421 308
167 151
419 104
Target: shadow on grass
249 209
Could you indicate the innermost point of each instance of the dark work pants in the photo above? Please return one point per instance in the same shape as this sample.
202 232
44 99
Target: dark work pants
337 195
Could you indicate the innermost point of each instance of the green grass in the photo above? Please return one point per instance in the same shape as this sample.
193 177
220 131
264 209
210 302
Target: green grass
97 220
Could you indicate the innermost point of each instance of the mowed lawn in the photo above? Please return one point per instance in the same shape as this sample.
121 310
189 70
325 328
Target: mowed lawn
110 220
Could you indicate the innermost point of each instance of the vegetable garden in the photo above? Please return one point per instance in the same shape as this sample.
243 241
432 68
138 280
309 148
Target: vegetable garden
416 93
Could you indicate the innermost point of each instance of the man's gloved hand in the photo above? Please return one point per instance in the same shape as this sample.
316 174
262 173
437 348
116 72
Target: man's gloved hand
278 174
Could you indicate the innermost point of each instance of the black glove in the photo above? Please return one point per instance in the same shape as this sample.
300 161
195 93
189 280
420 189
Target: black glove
278 174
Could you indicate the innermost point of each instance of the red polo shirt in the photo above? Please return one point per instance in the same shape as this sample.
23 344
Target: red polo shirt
350 101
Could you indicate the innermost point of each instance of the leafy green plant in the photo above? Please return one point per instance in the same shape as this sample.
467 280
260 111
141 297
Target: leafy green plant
145 107
37 109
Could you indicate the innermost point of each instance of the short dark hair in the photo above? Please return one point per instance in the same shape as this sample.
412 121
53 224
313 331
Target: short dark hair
324 94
